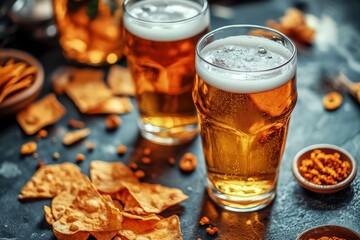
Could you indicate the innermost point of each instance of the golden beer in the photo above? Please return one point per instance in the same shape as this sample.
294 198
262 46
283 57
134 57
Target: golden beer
90 33
161 57
244 92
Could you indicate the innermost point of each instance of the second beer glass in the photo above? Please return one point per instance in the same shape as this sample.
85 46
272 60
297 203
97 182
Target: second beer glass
245 91
160 39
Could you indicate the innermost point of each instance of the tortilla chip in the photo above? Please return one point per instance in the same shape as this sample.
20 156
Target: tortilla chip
87 74
61 77
109 177
148 217
87 93
41 113
50 180
153 198
77 235
104 235
165 229
89 212
120 81
48 215
114 105
75 136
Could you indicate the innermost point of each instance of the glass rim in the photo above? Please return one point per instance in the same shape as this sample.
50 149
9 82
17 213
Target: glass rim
204 8
288 60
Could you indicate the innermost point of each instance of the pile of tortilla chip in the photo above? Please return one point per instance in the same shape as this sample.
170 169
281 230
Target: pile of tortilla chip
294 25
91 93
113 205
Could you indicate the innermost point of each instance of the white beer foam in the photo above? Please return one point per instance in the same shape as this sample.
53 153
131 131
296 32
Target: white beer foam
248 61
166 26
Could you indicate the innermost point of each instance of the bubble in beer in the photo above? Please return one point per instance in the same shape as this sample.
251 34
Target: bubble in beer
262 50
244 56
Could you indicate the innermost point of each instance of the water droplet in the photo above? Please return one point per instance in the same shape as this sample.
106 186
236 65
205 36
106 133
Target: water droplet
261 50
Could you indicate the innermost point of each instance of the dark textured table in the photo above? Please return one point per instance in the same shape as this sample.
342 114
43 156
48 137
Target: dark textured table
293 210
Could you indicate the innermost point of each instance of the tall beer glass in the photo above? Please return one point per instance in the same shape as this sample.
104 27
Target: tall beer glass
245 91
161 37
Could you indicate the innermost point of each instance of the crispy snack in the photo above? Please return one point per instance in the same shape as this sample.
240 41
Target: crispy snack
80 157
75 136
332 101
28 148
146 160
165 229
212 230
109 177
153 198
327 238
61 77
41 113
15 76
113 105
50 180
204 221
88 93
188 162
120 81
147 217
294 25
76 123
112 122
121 149
89 212
139 174
324 169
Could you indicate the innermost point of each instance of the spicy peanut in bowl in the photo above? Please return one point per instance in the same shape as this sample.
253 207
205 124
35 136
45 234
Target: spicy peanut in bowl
324 168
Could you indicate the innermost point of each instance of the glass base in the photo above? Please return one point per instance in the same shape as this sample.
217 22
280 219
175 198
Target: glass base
238 204
168 136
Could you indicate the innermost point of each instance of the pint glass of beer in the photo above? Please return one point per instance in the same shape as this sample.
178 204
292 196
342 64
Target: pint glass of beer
160 41
244 92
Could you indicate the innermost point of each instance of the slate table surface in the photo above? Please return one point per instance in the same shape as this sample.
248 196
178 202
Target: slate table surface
294 210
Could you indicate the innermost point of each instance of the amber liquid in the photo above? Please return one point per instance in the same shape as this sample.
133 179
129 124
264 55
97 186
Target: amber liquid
164 76
243 136
93 39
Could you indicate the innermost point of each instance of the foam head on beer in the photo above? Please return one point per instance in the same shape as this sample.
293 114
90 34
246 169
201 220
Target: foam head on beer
167 18
242 55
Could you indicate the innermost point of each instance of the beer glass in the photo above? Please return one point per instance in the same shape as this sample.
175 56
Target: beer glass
244 92
90 32
160 41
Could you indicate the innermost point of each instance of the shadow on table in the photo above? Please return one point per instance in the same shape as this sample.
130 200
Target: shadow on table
318 201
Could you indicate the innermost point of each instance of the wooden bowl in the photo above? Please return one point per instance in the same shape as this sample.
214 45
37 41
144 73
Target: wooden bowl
329 231
21 99
327 149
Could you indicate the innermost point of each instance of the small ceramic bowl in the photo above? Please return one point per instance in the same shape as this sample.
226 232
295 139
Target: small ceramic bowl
327 149
329 231
24 97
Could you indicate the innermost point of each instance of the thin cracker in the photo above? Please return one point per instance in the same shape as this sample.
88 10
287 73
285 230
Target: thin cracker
88 94
75 136
120 81
43 112
113 105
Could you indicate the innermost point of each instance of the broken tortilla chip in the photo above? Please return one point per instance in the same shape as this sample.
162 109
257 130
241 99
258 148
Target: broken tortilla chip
153 198
88 212
120 81
50 180
41 113
165 229
75 136
109 177
87 93
113 105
